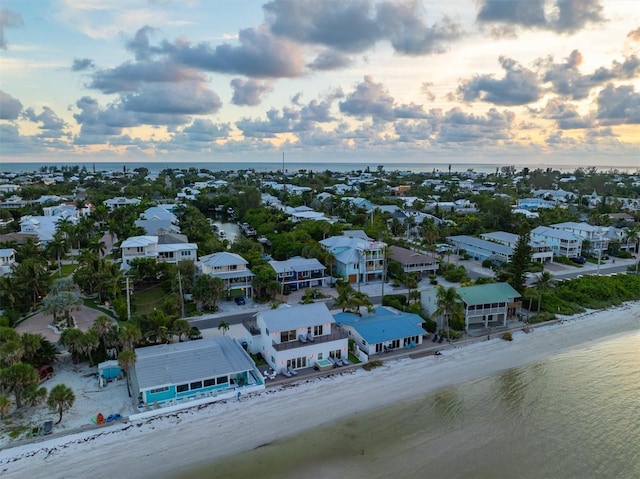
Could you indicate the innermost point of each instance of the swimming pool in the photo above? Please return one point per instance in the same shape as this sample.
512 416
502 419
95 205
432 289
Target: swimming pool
323 365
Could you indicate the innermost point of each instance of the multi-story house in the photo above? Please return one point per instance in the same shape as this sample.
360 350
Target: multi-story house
232 269
595 236
484 305
7 260
540 250
297 272
359 258
414 262
149 247
562 243
298 337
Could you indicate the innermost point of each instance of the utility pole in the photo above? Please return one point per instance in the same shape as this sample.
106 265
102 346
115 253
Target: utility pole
128 300
181 297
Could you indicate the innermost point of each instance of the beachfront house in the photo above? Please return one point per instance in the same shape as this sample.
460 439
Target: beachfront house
358 258
172 373
296 337
298 273
484 305
382 330
230 268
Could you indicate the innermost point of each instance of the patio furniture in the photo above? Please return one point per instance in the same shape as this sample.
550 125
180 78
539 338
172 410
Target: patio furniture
310 338
302 338
286 373
292 371
47 427
346 361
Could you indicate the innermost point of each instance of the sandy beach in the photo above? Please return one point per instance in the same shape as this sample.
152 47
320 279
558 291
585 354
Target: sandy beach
167 444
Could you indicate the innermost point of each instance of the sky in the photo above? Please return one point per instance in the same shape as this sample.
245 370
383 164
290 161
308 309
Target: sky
521 82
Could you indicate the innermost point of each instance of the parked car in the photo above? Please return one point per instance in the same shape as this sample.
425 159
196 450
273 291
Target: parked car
44 373
578 259
195 333
239 300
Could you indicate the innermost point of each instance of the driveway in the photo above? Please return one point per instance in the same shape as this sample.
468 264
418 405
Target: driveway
39 323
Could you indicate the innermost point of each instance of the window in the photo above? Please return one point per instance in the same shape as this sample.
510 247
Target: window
159 390
319 356
286 336
182 388
209 382
222 380
317 330
195 385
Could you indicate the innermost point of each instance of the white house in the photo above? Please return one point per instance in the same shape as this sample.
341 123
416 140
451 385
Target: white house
7 259
120 201
383 330
149 247
292 338
298 272
562 243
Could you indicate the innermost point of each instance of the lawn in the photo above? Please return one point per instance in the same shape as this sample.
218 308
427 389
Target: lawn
147 298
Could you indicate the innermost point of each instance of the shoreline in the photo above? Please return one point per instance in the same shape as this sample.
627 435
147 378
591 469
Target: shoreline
192 437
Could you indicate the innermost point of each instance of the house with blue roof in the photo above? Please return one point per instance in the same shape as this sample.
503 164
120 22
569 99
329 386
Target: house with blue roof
171 373
383 329
296 337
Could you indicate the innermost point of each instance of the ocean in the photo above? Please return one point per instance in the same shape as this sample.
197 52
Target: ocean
426 167
574 415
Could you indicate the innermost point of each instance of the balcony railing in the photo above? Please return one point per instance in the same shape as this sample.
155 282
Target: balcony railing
335 336
251 325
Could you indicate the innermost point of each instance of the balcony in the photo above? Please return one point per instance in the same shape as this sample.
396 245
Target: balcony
326 338
251 325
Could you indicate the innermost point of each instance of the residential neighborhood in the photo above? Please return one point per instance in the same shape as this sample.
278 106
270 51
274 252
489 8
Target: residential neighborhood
196 286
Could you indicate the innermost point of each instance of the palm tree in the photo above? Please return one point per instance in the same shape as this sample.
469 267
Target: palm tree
542 284
57 249
180 327
17 378
449 305
97 246
89 343
410 280
11 352
126 360
224 327
128 335
60 399
72 340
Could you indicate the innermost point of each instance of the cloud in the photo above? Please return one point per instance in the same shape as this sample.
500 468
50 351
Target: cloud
634 35
10 107
330 60
260 54
570 16
567 80
564 16
52 125
618 105
141 46
81 64
458 126
275 123
357 25
187 98
372 99
130 77
565 115
518 87
249 92
8 19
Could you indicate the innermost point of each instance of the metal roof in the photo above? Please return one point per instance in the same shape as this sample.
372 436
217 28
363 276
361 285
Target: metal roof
498 248
295 264
286 319
180 363
383 325
222 259
488 293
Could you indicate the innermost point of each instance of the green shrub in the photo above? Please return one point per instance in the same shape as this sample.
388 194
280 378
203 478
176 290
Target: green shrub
430 325
433 281
507 336
372 364
400 298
